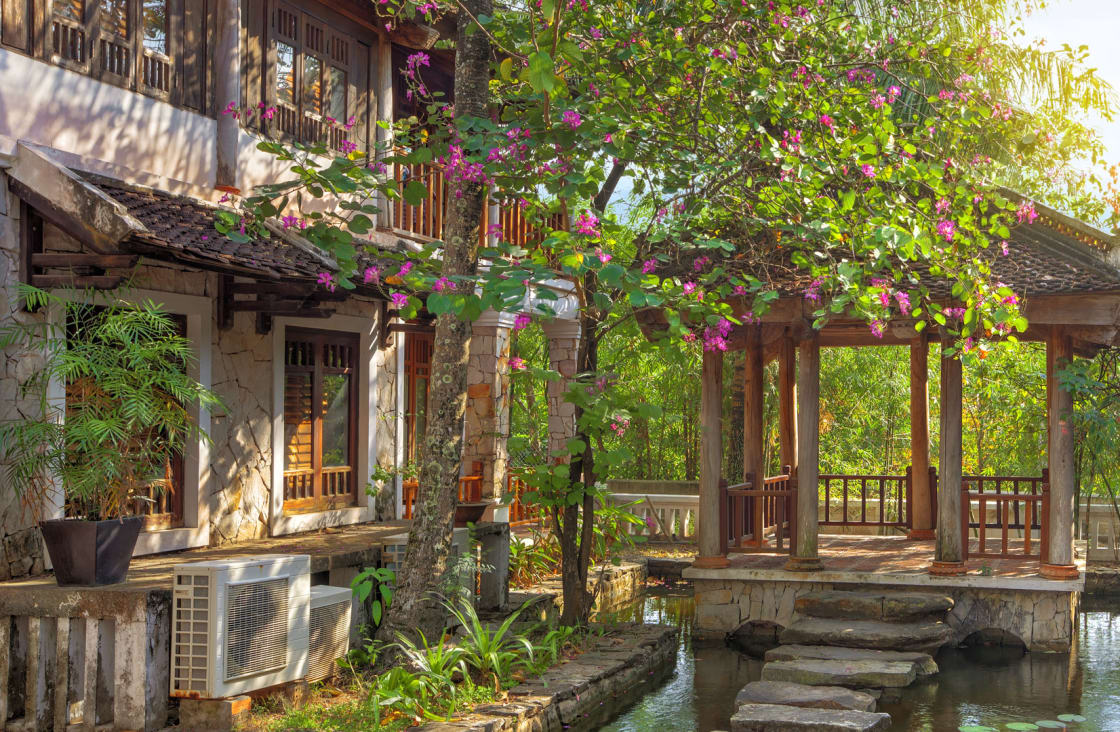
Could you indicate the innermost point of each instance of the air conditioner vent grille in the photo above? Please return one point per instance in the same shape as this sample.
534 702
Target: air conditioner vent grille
328 638
256 627
191 632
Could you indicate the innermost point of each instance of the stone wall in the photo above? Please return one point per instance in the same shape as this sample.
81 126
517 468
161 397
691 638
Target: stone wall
487 415
241 430
1043 620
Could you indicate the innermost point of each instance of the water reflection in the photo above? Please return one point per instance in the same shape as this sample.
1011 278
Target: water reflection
989 686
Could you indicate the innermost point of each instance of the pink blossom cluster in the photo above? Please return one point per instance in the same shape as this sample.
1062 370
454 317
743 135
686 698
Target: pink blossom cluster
620 426
813 291
1026 213
326 279
587 224
715 338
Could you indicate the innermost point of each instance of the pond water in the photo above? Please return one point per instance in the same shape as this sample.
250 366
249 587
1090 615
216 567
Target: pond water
978 686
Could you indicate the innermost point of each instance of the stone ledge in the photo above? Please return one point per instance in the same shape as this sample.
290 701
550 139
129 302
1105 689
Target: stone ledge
914 579
578 693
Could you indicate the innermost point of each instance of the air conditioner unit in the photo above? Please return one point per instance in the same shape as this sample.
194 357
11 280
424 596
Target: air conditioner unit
239 624
328 632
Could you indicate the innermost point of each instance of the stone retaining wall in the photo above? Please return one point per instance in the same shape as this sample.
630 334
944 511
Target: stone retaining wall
582 693
1043 620
621 585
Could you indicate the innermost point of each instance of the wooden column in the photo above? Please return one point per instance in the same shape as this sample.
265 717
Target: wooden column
710 552
754 469
949 553
227 76
804 556
921 519
787 401
1058 562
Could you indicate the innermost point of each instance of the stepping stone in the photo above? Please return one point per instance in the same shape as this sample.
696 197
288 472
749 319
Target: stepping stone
779 718
873 605
924 664
803 695
852 674
923 635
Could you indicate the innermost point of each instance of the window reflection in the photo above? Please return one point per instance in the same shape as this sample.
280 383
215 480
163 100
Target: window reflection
114 17
313 83
336 420
285 74
155 26
337 107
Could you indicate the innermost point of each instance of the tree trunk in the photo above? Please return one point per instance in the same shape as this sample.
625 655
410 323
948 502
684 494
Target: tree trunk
429 538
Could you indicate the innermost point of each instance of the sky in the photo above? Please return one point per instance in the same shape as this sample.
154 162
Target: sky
1093 23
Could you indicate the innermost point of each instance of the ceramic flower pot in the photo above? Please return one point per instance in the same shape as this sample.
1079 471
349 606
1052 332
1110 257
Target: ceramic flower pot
91 552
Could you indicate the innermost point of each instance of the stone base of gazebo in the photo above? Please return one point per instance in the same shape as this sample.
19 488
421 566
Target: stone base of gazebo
995 598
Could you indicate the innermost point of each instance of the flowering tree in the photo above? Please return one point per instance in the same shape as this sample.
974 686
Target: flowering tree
849 149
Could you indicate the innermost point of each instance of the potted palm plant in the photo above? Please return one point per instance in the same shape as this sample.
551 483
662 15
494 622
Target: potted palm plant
105 447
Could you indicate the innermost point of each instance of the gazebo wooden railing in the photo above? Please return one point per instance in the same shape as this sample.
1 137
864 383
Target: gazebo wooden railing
470 489
750 513
425 219
846 500
1021 503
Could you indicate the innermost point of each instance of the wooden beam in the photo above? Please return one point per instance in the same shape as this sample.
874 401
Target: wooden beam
101 261
804 556
302 313
754 469
949 552
710 552
1087 309
921 517
286 289
1058 564
96 282
224 315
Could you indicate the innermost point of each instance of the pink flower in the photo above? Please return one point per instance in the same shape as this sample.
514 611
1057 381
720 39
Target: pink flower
1003 248
571 118
812 292
942 206
587 224
1026 213
826 121
700 264
868 170
405 269
892 93
903 300
648 266
877 101
521 321
947 229
517 363
231 108
372 274
603 256
293 222
1011 299
877 327
689 288
740 290
608 138
443 284
399 299
268 113
326 279
347 147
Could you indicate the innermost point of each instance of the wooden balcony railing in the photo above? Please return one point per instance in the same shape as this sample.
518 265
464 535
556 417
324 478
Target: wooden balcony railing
425 220
520 513
1013 511
846 500
750 513
470 489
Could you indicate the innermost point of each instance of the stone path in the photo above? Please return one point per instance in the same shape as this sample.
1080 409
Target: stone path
842 650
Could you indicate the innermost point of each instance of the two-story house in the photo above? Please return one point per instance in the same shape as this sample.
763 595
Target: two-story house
114 153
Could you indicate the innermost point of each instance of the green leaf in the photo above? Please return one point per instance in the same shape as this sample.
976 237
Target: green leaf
1024 726
415 193
505 69
976 728
542 72
1050 724
1071 718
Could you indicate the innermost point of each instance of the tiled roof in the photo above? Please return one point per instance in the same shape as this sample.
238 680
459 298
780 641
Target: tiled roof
182 229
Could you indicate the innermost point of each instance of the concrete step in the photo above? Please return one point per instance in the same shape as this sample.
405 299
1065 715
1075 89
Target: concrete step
923 635
803 695
873 605
852 674
924 664
780 718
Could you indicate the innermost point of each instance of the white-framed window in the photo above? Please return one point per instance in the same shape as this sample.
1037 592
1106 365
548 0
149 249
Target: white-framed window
186 522
323 436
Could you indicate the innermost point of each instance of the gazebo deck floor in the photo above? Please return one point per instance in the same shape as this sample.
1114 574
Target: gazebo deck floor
890 560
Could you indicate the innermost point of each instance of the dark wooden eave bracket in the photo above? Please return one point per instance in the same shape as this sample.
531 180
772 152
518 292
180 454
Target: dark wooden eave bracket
70 203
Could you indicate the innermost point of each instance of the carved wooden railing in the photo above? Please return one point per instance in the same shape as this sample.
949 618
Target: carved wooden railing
425 219
865 500
1021 504
520 513
749 513
470 489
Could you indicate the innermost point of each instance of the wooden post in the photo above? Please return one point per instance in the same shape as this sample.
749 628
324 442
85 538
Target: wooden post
1058 561
804 556
710 552
753 467
787 401
921 520
949 552
227 74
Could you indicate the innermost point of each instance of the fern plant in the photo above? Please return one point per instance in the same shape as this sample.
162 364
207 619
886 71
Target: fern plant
127 409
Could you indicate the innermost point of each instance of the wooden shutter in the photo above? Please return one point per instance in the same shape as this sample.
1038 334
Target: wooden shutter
253 54
15 24
194 54
360 95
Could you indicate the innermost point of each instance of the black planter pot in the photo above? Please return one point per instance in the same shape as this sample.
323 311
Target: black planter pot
91 552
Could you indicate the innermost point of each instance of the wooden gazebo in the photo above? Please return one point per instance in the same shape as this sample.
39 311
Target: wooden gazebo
1063 273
